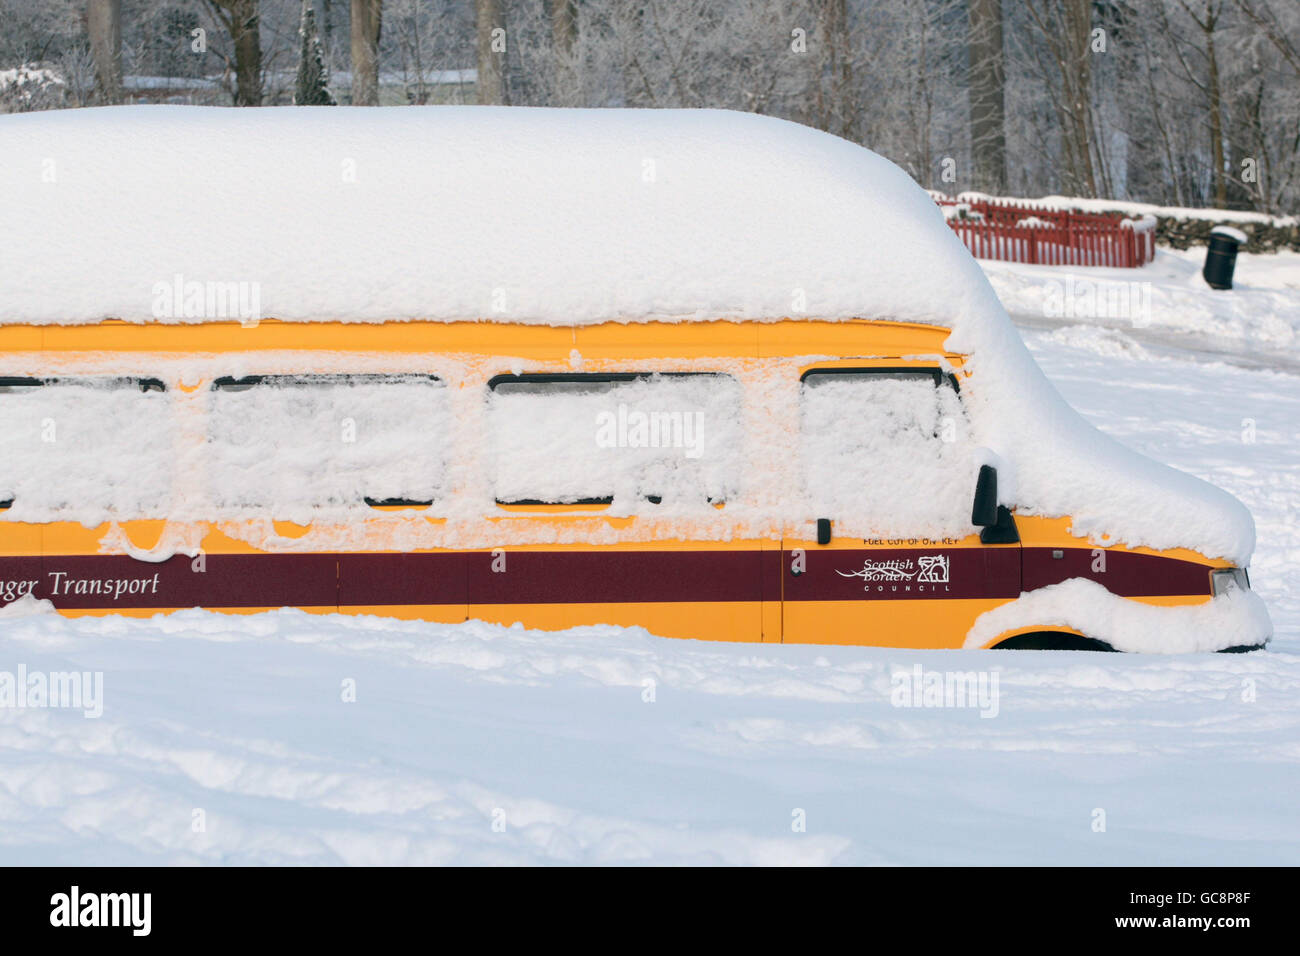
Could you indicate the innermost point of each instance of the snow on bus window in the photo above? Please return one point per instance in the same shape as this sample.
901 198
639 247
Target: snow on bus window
290 444
887 452
638 441
85 449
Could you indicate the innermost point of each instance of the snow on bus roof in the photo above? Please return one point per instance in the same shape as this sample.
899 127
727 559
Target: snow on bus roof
552 216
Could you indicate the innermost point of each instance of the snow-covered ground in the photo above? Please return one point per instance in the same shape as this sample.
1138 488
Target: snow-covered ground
480 744
1257 321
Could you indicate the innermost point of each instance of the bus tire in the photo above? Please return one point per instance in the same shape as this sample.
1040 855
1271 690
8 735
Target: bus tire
1051 641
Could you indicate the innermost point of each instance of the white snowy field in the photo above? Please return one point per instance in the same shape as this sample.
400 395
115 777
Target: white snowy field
1194 759
1258 318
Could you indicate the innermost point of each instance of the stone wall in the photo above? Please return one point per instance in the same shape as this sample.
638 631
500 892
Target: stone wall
1263 236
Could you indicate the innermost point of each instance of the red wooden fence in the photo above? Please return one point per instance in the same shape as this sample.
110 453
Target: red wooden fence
997 229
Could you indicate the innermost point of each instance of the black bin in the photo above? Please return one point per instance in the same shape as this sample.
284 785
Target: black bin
1221 257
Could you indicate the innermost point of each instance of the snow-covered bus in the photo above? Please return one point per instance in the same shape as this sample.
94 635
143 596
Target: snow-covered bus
708 373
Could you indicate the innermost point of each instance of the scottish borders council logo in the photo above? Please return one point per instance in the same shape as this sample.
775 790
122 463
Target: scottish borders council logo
926 569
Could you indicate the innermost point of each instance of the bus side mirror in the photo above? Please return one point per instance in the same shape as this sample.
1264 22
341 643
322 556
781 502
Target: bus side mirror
985 512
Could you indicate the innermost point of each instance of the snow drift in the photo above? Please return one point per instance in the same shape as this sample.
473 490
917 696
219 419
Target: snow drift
1236 619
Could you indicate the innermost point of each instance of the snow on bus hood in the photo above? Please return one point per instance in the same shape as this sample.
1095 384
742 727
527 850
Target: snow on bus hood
1052 462
551 217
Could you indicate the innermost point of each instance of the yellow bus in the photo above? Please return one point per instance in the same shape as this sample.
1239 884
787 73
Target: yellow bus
831 476
548 551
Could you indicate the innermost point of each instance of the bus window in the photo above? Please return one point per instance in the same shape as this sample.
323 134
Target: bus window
85 449
296 442
888 448
634 440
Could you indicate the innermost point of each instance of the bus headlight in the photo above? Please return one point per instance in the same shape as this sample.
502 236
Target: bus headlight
1227 580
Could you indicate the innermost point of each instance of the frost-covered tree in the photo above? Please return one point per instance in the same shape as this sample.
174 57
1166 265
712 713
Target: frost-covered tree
26 89
1108 97
313 75
423 41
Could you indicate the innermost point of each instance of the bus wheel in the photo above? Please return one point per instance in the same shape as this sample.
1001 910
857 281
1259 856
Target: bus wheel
1051 641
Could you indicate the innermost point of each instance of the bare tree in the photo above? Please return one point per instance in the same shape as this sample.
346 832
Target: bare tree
104 26
491 45
1063 56
988 139
1265 137
426 39
564 25
564 35
836 103
407 22
1207 21
1269 22
241 19
366 23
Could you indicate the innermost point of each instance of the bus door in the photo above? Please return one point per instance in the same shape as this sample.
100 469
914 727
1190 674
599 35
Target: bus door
888 447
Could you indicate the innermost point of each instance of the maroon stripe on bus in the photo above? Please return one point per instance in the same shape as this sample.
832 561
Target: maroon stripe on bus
560 577
77 582
615 577
275 580
1126 574
420 578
